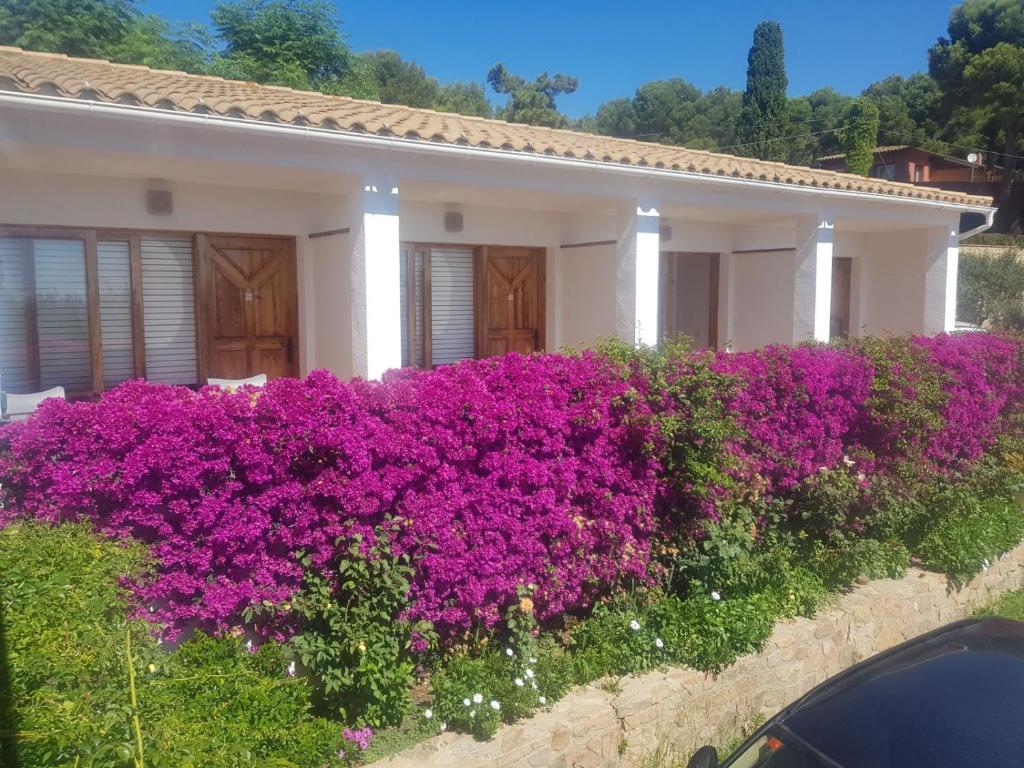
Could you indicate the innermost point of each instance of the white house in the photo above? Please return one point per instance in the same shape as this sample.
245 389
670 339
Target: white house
179 227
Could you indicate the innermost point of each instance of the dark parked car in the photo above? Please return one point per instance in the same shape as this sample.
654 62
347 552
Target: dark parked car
953 698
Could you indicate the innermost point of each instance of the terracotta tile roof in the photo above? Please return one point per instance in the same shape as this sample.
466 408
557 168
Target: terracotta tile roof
876 150
95 79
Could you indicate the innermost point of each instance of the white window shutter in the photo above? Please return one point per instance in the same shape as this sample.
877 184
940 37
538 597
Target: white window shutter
62 314
168 308
114 273
14 372
453 332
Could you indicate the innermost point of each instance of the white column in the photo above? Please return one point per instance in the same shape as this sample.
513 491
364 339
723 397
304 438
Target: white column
812 279
638 258
940 277
377 345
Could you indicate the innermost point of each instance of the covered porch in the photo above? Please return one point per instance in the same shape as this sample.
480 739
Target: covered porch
186 253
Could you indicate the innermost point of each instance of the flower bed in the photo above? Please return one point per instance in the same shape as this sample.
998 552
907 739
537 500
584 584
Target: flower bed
594 513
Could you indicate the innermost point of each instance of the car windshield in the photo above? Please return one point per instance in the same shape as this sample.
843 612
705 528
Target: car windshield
779 749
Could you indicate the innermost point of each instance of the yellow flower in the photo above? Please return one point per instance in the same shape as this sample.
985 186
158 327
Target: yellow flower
151 668
526 605
362 647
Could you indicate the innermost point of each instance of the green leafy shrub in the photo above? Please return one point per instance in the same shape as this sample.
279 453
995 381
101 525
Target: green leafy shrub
972 536
211 702
869 558
352 639
208 703
477 693
990 291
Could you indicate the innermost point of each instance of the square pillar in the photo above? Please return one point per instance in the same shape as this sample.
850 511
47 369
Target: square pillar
377 343
638 255
812 279
942 259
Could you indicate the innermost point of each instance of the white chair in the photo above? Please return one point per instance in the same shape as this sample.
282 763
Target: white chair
20 407
258 380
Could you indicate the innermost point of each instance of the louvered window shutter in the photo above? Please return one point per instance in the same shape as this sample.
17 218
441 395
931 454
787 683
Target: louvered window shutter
114 272
62 314
452 331
168 303
15 375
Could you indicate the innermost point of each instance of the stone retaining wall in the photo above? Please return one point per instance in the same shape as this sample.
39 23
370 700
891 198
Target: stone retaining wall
678 710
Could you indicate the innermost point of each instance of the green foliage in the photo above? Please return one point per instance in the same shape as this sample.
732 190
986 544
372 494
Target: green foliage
990 290
295 43
860 136
75 27
466 688
531 102
645 630
209 702
213 703
1009 606
965 524
400 81
973 534
980 67
696 426
351 640
764 100
463 98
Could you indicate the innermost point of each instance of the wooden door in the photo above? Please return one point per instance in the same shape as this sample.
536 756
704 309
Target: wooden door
512 301
249 306
839 320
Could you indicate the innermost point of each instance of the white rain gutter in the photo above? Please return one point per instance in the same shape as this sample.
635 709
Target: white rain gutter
421 146
990 217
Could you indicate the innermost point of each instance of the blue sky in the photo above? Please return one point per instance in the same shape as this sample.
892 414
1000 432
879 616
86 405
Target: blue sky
615 46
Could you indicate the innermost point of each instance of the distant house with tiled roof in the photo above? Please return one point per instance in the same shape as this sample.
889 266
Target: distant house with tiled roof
180 227
921 167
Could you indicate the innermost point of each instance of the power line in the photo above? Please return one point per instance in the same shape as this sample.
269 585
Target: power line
779 138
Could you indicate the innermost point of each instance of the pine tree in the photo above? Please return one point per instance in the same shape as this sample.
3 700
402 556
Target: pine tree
761 123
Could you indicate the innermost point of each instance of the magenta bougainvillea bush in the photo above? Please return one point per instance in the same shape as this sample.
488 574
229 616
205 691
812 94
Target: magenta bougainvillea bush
547 472
491 474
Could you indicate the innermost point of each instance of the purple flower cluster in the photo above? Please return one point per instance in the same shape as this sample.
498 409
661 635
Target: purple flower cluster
490 474
795 406
493 475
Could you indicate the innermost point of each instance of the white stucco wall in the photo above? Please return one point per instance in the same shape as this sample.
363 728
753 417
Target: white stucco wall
891 289
586 304
762 299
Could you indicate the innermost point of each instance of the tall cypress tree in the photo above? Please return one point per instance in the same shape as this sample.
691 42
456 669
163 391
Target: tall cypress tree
860 135
760 125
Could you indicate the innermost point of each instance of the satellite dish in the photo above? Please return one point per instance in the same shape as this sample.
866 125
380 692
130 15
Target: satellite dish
973 158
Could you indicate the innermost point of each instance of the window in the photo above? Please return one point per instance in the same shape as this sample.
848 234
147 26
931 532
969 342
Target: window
87 310
885 171
441 318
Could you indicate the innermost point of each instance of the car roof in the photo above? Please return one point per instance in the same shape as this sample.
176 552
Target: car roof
953 697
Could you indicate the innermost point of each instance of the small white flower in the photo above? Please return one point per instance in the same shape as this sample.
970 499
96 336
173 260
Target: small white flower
509 652
478 698
848 461
533 684
543 700
985 565
444 727
495 705
529 673
472 713
532 660
429 713
716 595
659 643
466 702
291 669
634 625
519 682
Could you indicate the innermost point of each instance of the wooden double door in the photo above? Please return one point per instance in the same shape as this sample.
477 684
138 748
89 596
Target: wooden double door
511 303
248 306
